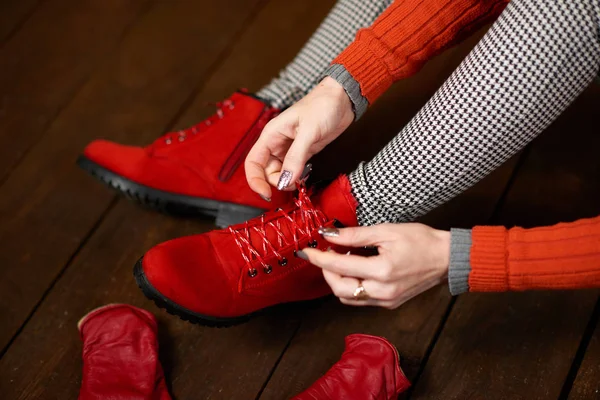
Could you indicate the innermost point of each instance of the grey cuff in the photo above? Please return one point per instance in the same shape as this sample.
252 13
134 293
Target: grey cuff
460 261
351 86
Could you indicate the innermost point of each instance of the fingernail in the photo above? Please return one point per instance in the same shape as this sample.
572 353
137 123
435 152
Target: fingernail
329 249
302 255
329 232
264 197
284 180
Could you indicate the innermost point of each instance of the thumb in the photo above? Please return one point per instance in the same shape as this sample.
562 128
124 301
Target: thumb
356 236
295 160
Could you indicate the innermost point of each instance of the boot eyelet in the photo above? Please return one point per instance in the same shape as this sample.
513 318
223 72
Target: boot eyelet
283 262
181 138
268 269
168 141
313 244
252 272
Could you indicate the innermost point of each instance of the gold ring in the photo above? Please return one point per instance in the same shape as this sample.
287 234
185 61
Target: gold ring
360 293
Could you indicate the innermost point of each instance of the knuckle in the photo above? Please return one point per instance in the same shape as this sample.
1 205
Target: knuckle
385 271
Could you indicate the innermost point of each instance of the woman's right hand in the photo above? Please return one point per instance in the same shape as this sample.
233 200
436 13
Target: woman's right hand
298 133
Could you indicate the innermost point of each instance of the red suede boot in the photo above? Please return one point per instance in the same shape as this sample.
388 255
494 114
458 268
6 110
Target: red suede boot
120 355
224 277
368 370
196 170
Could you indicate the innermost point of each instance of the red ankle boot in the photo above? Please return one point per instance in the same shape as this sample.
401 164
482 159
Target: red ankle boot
368 370
120 355
224 277
196 170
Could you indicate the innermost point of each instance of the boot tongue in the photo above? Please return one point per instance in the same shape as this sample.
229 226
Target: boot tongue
337 202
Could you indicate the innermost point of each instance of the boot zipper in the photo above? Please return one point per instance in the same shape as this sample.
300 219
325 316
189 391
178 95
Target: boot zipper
243 147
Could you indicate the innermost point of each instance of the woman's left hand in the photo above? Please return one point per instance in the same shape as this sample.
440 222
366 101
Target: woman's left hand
412 259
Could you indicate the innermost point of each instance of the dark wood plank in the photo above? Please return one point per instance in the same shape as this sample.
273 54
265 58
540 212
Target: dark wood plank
48 60
320 339
199 362
13 13
587 383
47 205
522 345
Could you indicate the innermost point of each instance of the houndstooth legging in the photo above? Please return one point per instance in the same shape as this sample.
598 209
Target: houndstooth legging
533 62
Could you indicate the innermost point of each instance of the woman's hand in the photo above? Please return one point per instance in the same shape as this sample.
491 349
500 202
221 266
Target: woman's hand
412 259
298 133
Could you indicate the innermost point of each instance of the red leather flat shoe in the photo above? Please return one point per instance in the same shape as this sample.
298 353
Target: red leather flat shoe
120 355
368 370
226 276
198 170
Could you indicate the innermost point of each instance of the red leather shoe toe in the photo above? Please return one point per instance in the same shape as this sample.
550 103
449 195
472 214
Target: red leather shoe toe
170 268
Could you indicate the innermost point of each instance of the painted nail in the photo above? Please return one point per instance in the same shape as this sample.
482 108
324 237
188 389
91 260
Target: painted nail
302 255
264 197
284 180
326 231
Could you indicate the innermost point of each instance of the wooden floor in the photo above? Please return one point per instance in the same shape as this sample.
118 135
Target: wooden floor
128 70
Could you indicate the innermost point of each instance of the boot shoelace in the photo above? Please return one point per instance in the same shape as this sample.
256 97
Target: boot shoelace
180 136
301 221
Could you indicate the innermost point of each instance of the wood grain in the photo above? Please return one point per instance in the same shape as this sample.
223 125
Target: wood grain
48 60
13 14
587 382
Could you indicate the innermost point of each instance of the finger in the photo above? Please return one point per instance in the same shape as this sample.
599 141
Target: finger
344 287
255 165
273 170
343 264
357 236
294 161
368 302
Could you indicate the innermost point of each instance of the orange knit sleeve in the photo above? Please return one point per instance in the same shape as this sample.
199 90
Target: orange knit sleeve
406 35
563 256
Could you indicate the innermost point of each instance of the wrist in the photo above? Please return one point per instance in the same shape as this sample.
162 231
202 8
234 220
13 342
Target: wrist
442 251
343 90
337 90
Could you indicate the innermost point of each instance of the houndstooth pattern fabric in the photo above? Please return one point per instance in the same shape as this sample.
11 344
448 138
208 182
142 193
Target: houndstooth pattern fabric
533 62
334 34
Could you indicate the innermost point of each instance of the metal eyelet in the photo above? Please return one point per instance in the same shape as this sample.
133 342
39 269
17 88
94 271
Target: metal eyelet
283 262
295 253
268 269
168 141
313 244
208 123
181 138
252 272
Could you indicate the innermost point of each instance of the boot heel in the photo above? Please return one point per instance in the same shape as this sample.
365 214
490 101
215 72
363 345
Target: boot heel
232 214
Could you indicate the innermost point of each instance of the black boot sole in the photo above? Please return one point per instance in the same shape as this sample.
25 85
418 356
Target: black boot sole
225 214
193 317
